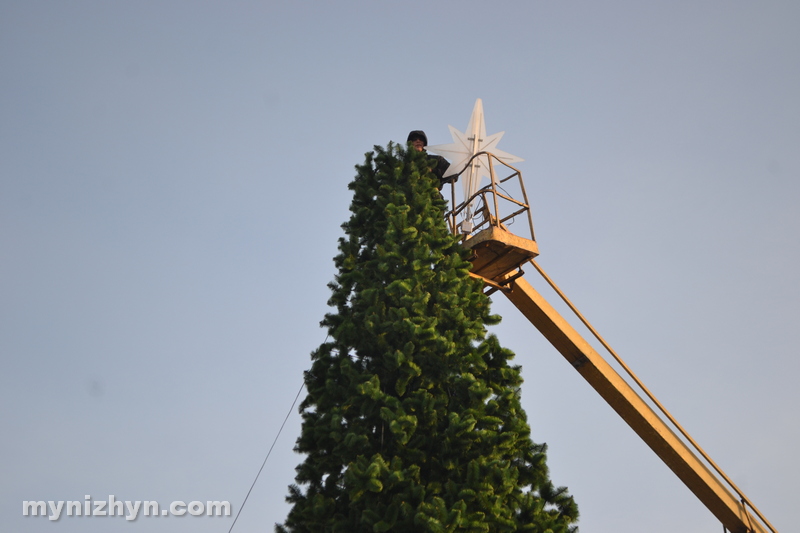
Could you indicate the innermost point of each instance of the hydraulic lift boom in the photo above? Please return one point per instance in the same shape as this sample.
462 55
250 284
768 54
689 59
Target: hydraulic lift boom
632 408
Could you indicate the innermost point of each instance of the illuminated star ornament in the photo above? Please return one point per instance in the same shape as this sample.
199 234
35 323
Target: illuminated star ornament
467 144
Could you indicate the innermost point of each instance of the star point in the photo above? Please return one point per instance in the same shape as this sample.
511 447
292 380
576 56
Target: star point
468 143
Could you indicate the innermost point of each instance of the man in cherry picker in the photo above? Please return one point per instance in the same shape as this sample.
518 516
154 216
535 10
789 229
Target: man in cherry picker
418 140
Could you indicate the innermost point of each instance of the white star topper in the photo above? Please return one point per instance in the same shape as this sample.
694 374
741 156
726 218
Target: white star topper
467 144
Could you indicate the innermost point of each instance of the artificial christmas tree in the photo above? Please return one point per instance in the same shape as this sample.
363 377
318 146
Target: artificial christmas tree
412 421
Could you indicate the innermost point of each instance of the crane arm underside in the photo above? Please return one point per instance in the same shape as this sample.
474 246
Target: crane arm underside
634 410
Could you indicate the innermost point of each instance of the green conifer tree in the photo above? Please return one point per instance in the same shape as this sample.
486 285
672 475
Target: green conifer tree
412 421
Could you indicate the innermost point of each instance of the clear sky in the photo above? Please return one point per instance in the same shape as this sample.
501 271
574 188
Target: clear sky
173 176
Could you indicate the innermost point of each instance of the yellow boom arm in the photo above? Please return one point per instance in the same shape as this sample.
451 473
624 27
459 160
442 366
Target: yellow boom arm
633 409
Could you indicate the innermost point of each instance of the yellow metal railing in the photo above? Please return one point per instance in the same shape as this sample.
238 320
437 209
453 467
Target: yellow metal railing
488 201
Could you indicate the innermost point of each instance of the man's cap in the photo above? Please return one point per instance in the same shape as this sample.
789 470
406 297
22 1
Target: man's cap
418 134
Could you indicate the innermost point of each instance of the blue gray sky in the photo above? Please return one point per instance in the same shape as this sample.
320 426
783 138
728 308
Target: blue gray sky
173 176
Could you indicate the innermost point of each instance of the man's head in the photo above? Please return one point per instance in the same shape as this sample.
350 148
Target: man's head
418 140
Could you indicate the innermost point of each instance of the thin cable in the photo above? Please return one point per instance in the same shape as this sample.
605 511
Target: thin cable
267 457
